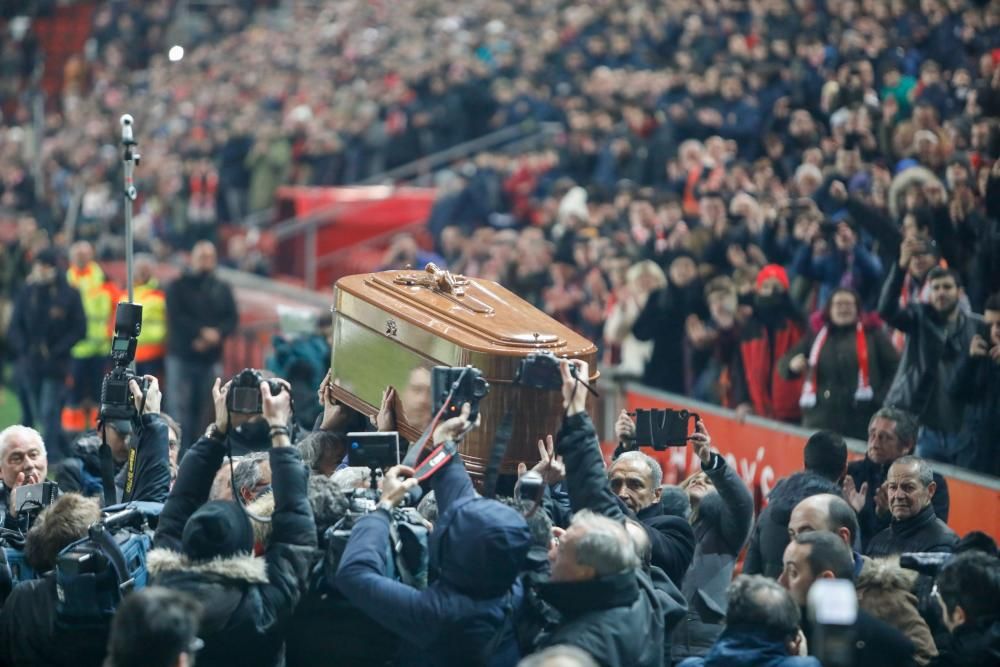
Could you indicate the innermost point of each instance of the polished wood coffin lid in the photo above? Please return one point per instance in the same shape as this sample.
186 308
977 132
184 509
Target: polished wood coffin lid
478 315
433 317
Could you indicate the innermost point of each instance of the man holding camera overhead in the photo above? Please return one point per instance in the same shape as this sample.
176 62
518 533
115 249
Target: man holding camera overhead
201 313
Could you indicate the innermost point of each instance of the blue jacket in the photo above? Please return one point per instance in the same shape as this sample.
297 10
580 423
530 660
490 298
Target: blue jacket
478 547
738 648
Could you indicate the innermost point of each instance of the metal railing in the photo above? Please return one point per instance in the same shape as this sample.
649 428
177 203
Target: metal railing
516 137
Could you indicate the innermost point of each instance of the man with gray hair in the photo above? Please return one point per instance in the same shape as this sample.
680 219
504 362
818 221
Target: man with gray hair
605 607
914 526
892 433
252 476
558 656
637 481
762 628
23 461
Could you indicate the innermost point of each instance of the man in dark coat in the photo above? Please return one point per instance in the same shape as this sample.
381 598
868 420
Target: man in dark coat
892 433
636 479
823 555
968 588
825 465
589 490
938 334
206 549
977 386
478 548
762 629
201 313
914 526
47 320
662 321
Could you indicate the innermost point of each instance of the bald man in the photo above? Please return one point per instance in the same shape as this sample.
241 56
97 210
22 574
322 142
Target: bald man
201 313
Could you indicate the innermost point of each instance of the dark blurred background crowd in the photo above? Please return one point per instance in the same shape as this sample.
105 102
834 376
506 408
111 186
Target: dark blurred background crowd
722 210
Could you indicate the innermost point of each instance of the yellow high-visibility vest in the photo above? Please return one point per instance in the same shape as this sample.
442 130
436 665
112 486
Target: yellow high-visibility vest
153 338
98 305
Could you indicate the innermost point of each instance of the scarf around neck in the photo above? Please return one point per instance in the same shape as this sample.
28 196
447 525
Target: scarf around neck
863 392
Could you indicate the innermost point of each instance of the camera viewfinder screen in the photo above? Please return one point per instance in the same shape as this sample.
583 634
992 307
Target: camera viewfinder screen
117 394
119 345
245 399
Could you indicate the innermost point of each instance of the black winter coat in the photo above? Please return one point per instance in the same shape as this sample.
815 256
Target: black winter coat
869 522
721 527
918 381
193 302
876 642
588 488
977 386
246 599
671 536
770 534
662 321
47 321
971 645
29 636
924 532
836 407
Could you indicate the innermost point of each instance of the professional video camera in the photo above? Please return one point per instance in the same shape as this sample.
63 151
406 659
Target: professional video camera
379 451
928 563
661 429
29 501
465 384
244 392
116 396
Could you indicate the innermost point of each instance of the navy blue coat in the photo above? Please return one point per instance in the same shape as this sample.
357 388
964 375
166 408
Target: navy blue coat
47 321
737 648
478 547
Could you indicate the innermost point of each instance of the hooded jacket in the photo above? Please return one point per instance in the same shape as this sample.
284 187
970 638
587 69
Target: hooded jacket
246 599
721 527
765 339
923 532
885 592
478 547
770 534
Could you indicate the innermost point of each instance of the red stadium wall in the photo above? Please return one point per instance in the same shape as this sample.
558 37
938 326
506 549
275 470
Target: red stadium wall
763 454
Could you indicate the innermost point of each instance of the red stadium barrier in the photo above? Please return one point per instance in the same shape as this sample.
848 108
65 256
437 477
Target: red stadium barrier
763 452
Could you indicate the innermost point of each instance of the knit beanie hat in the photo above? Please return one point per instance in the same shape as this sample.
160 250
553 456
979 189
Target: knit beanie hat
218 529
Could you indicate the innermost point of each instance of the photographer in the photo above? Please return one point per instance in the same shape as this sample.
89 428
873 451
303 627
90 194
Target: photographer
139 450
29 634
618 616
465 617
967 589
23 461
206 548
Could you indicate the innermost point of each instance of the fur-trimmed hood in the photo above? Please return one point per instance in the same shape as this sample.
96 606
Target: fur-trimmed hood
241 568
885 574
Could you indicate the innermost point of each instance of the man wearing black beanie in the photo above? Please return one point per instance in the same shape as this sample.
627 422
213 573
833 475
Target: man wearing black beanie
206 549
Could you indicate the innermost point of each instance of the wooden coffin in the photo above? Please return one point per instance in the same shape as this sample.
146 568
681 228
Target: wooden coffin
391 328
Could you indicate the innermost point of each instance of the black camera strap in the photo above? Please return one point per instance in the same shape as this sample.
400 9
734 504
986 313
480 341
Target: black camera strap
500 442
107 471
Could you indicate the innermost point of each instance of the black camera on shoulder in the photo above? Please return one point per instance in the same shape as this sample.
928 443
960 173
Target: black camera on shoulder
541 371
116 396
661 429
244 392
465 384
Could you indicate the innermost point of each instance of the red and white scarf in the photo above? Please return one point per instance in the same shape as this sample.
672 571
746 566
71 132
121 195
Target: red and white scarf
864 391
